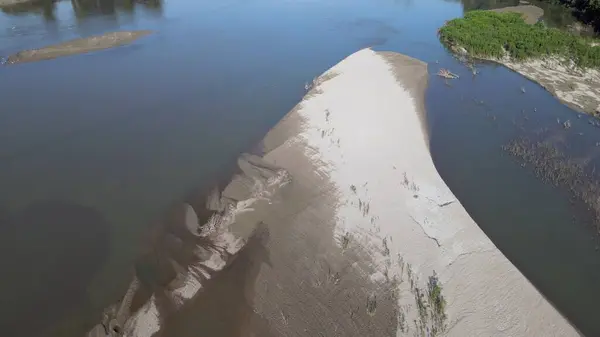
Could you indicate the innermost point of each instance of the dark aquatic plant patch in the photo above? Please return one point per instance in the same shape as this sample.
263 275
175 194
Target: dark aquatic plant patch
554 167
587 11
487 34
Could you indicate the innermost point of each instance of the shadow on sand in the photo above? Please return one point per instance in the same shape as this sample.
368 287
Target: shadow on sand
226 303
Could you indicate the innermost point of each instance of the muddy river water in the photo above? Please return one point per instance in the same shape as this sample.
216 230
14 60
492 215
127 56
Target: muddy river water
94 148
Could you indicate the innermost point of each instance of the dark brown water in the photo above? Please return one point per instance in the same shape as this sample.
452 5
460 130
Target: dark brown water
94 148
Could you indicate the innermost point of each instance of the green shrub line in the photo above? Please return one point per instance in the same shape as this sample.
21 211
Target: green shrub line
487 34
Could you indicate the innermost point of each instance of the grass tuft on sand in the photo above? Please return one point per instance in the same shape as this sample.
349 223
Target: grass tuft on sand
487 34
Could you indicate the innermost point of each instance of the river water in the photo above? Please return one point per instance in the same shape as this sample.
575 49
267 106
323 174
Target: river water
94 148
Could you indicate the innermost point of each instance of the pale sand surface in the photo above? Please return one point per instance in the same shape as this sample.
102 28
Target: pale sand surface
337 227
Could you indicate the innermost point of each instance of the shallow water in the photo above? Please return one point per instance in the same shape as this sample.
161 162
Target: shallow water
123 134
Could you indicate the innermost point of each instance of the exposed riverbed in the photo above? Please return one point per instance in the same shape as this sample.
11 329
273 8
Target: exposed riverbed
77 46
129 131
327 193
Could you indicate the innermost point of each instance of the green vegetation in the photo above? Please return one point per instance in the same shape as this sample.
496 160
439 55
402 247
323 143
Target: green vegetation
431 307
437 303
486 34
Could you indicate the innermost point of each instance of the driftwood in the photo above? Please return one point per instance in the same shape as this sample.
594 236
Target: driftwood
447 74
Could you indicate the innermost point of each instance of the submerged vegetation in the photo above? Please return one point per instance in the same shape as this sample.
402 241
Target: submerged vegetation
554 167
487 34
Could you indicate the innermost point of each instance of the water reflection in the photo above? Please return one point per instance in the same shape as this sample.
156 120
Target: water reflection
82 8
46 8
89 7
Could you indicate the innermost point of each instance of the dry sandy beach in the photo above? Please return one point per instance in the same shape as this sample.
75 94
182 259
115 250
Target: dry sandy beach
341 226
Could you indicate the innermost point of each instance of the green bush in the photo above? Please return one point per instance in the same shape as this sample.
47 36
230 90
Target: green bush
487 34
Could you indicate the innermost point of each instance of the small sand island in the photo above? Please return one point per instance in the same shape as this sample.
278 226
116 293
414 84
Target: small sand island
568 66
77 46
340 226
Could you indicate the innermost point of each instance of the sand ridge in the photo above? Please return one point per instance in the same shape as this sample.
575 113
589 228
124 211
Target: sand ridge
357 229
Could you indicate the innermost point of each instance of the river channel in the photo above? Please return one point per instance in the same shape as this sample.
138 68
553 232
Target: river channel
94 148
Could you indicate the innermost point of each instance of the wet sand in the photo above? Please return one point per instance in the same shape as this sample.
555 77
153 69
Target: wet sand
531 14
577 88
341 226
77 46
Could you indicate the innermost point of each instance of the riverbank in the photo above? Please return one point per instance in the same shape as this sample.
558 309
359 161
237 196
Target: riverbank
77 46
338 227
565 65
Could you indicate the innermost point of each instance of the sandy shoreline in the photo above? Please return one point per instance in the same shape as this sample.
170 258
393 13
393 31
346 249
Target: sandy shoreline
336 229
77 46
576 87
